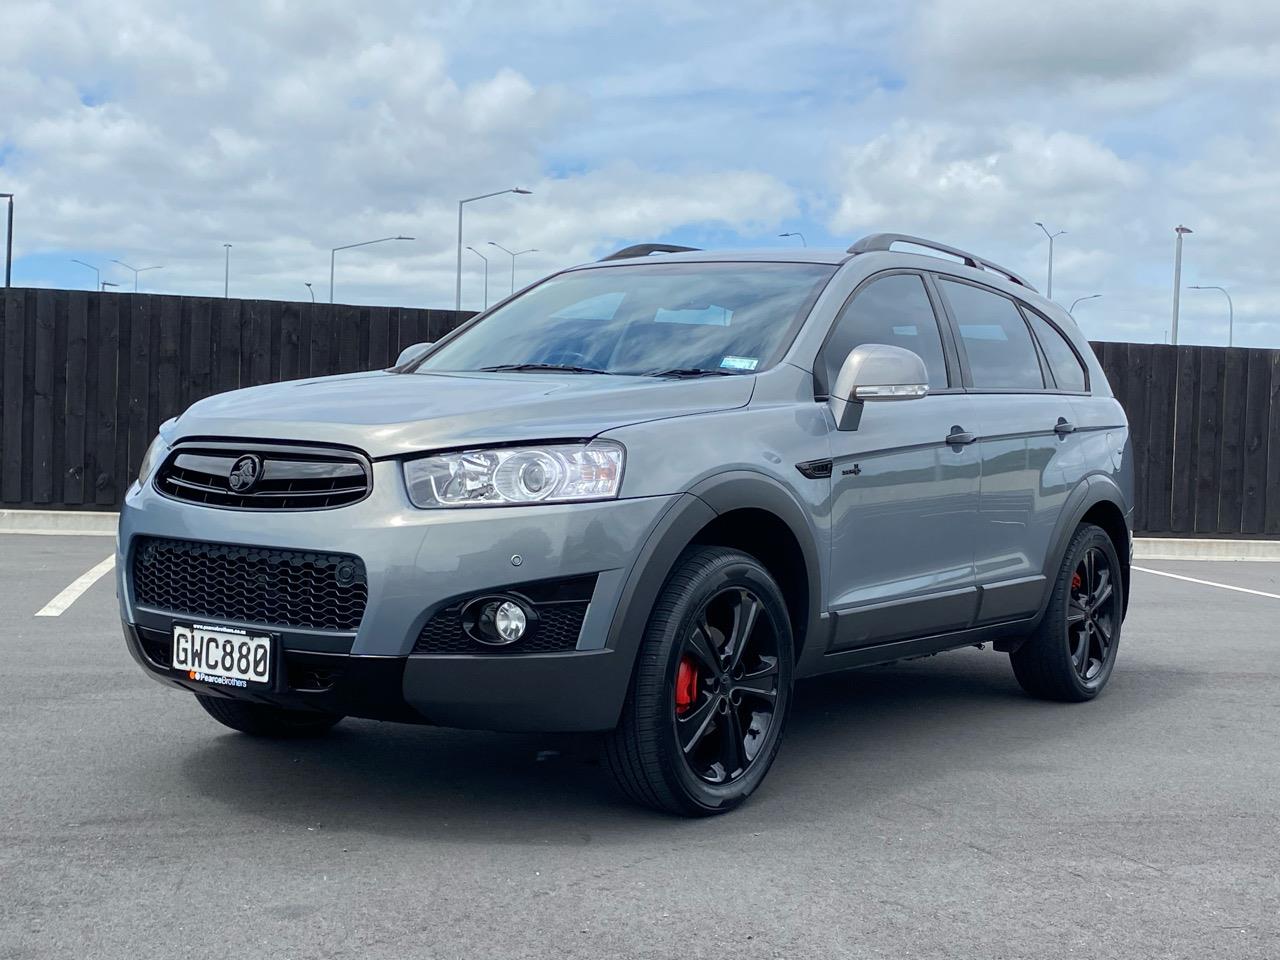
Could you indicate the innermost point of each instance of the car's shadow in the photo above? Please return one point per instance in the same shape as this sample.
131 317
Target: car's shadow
854 739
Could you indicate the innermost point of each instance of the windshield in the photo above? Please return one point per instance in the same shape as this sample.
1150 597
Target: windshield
644 319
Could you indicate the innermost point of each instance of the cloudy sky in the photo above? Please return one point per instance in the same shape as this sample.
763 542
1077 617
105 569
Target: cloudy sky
155 132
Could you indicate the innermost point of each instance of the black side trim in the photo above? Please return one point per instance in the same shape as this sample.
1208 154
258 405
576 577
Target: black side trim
815 469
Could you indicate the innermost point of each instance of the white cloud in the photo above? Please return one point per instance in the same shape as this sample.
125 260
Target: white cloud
161 131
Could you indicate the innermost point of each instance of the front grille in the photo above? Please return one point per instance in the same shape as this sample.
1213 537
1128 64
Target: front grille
264 479
561 607
286 588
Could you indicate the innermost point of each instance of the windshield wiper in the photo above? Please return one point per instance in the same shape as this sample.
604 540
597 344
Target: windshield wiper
691 372
554 367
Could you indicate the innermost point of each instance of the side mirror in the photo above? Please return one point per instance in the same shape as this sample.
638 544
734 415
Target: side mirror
875 371
413 352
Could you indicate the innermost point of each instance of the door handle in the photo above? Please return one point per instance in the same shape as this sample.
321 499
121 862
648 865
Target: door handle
960 436
1063 427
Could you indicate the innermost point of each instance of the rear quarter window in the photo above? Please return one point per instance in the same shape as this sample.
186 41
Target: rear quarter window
1063 362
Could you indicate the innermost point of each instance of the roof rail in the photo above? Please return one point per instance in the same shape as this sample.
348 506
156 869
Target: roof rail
644 249
883 241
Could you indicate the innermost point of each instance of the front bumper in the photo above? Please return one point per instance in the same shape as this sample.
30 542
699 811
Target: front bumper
416 562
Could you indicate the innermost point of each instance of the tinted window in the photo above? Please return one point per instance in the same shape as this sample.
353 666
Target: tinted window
997 341
1063 361
893 310
644 318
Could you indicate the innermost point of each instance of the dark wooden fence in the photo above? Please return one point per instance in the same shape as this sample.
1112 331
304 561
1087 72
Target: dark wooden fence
1206 433
87 378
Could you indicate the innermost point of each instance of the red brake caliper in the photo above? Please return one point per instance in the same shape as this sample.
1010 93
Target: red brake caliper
1075 581
686 685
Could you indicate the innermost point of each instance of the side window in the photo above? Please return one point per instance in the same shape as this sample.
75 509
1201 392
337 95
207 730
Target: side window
1001 353
893 310
1063 362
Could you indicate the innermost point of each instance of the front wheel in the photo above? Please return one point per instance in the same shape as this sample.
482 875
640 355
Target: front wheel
1071 655
711 690
260 720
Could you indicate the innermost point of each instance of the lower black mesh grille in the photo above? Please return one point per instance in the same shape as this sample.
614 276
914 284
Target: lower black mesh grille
558 624
287 588
557 629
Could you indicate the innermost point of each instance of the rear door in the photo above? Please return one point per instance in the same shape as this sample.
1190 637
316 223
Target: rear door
1031 457
905 482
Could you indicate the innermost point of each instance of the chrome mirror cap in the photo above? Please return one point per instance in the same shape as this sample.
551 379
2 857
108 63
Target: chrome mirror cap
875 372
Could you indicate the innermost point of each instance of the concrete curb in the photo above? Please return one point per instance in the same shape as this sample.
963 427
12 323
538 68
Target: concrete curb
68 523
1172 548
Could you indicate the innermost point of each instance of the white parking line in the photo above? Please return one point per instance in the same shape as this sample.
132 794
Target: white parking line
1210 583
56 606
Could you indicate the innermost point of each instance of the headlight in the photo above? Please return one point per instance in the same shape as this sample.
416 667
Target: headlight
155 453
504 475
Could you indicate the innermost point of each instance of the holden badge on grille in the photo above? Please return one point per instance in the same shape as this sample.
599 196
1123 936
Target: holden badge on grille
245 473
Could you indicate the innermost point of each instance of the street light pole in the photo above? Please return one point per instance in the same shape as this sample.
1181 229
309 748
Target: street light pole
1231 311
97 274
1092 296
457 297
8 247
106 283
795 234
1180 230
364 243
307 284
486 274
1049 286
226 273
136 271
513 254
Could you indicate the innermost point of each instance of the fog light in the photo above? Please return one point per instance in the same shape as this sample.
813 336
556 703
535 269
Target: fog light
510 621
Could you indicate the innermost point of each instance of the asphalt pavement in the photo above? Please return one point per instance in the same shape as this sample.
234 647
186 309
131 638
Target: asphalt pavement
925 809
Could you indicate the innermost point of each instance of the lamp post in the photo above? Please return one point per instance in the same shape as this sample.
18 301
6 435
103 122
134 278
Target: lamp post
106 283
486 274
1231 311
364 243
457 297
513 254
97 274
1180 230
226 273
136 271
8 246
1049 286
795 234
1092 296
307 284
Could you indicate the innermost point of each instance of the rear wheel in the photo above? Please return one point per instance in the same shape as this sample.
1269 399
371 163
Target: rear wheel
260 720
712 688
1072 652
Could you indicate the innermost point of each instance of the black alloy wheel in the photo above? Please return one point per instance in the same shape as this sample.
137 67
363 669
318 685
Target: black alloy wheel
726 688
1072 651
1091 614
711 688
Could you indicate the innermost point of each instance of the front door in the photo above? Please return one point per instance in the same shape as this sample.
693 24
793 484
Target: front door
904 483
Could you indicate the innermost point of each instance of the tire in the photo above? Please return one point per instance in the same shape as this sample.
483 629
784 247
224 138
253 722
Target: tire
1073 651
260 720
696 685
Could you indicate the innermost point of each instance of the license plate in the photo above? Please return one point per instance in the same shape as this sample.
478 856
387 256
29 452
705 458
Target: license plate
221 655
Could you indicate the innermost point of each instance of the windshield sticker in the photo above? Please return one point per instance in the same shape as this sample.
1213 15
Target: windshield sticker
739 363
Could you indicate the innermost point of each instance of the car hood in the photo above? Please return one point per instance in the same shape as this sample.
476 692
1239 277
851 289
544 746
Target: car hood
386 414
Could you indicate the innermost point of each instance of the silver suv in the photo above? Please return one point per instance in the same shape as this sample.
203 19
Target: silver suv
645 496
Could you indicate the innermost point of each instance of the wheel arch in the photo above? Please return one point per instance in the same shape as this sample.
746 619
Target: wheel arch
1098 500
741 510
